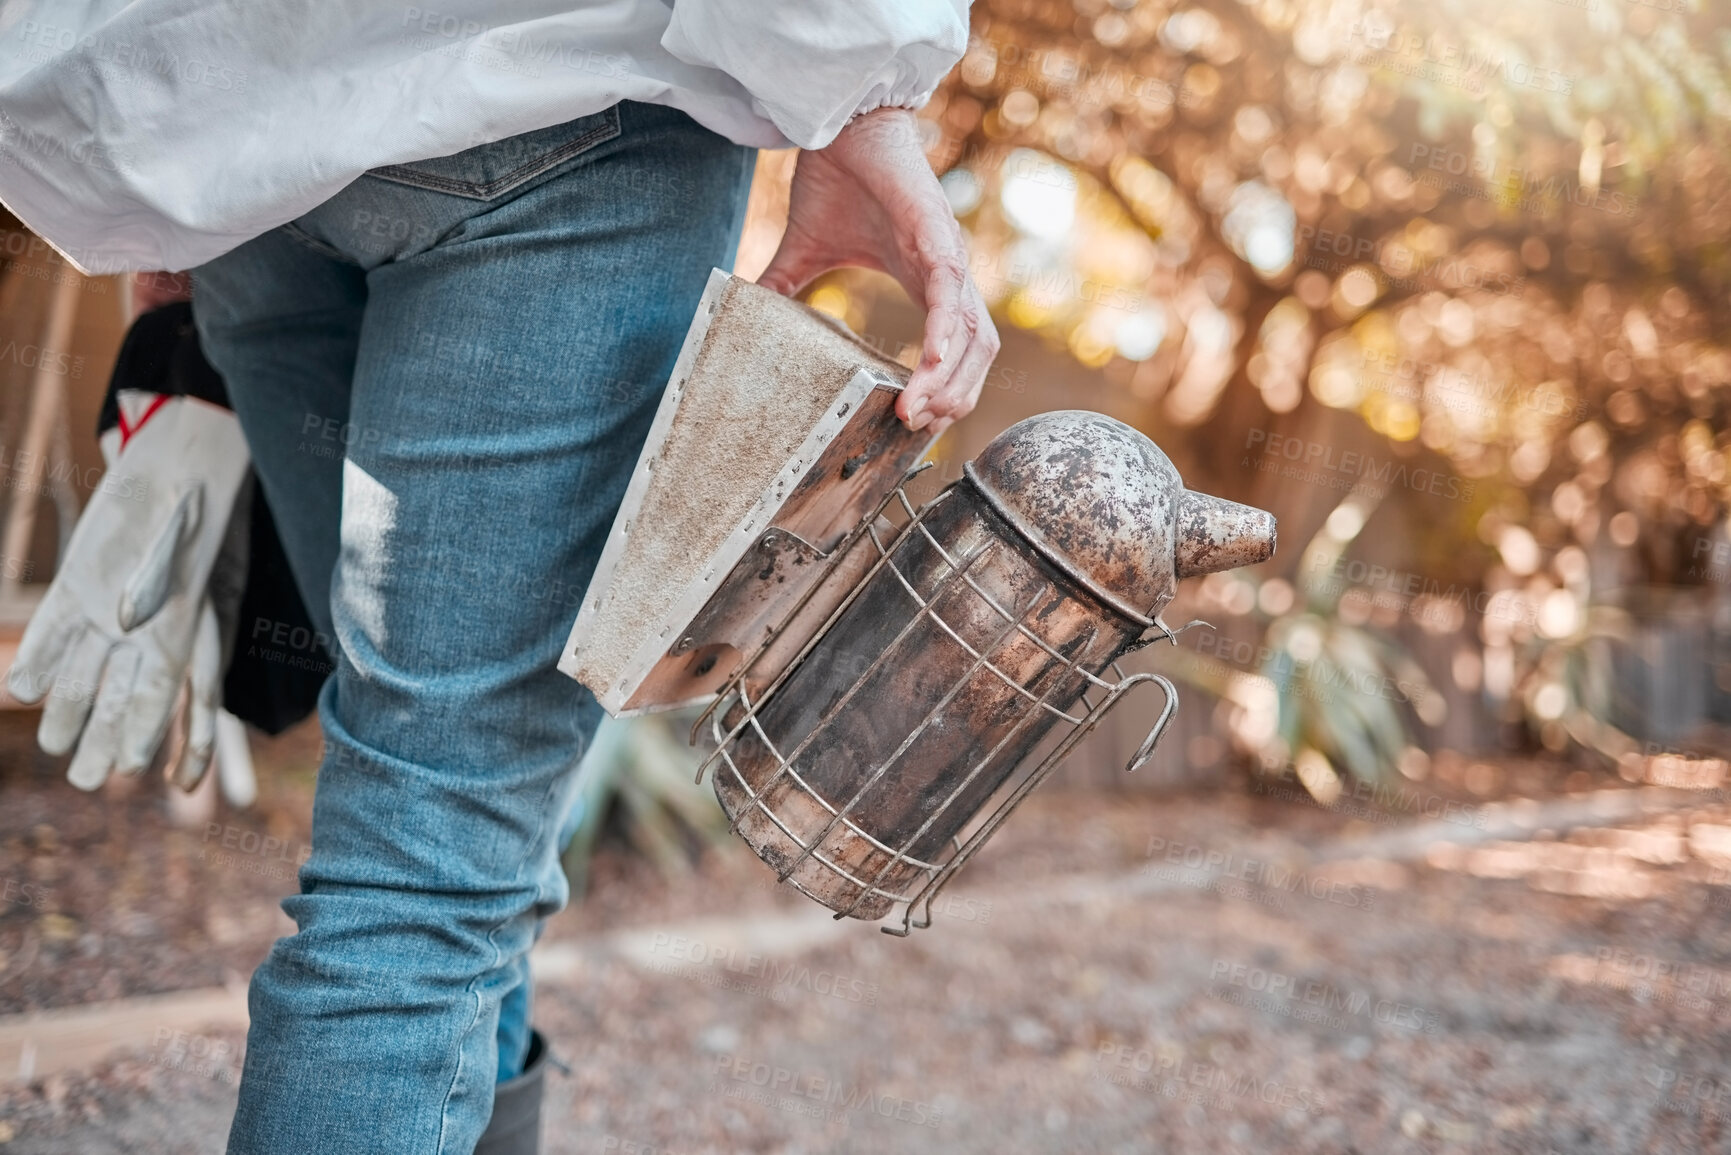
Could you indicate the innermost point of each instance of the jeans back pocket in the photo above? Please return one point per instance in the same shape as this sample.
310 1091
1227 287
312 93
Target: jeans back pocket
492 170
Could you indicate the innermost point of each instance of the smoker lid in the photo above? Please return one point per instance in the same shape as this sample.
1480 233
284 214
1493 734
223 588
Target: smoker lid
1104 503
1095 496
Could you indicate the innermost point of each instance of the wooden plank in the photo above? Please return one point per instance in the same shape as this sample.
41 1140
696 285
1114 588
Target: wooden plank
13 617
44 1042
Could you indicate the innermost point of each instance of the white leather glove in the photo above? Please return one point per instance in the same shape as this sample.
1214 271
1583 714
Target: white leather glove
127 613
216 626
203 729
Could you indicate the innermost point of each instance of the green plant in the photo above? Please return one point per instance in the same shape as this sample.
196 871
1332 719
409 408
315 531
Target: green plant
1327 696
1565 685
642 768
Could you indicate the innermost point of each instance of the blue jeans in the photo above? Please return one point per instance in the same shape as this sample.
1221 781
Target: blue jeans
445 374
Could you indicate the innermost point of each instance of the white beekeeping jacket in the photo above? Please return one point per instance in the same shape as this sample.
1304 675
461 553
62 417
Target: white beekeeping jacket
159 134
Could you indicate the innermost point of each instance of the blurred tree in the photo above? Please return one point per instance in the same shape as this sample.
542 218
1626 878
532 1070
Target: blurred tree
1496 231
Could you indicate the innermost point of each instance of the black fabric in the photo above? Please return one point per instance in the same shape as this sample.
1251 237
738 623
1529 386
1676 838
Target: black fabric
270 684
277 661
161 355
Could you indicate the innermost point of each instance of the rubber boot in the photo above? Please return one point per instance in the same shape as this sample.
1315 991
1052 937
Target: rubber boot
515 1128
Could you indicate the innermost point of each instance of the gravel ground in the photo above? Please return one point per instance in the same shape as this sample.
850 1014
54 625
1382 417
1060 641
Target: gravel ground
109 896
1319 982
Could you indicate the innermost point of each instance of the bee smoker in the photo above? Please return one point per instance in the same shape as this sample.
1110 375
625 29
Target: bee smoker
885 683
979 646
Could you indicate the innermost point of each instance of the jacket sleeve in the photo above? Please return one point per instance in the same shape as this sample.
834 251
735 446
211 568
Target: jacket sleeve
811 66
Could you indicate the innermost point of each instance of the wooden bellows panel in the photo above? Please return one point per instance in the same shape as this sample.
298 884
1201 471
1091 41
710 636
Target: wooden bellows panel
776 435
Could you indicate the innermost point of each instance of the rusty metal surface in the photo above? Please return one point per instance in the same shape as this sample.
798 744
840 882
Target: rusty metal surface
1102 501
1215 534
853 474
746 603
866 757
1097 493
913 733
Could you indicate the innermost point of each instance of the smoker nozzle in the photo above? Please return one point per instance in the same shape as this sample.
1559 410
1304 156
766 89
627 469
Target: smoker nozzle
1214 534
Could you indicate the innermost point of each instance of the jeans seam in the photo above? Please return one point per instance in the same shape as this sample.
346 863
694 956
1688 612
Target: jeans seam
296 233
457 1070
529 170
547 831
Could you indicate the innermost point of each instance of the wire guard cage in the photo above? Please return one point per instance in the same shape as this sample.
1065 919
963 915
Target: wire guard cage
950 681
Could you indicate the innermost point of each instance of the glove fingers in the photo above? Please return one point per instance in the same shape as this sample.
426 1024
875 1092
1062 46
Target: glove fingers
100 746
148 715
193 765
234 768
204 691
45 643
70 693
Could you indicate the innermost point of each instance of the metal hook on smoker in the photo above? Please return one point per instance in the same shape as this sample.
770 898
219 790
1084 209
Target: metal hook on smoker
1146 750
1166 634
1172 634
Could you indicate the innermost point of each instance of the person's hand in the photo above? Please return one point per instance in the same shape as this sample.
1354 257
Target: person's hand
870 199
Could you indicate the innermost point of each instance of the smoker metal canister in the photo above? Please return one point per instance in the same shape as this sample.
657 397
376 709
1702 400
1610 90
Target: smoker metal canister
985 622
